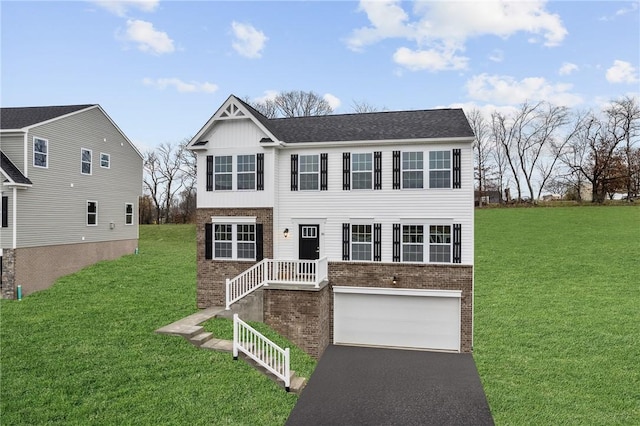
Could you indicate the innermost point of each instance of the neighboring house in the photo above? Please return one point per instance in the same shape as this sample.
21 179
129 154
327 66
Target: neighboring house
70 182
360 225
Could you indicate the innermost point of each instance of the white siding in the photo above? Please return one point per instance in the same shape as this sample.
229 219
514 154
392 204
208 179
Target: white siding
53 211
387 206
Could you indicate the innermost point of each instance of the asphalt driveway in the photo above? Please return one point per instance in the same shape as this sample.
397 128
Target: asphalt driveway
372 386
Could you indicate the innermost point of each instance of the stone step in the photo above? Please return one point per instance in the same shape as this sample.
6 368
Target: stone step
219 345
201 338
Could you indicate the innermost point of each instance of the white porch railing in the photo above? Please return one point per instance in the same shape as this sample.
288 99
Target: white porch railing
270 271
256 346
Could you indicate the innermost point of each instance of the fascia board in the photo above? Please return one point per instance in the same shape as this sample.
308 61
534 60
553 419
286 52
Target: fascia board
455 140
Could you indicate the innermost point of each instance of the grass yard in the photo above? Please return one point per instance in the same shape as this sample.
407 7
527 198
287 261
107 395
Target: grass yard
84 351
557 314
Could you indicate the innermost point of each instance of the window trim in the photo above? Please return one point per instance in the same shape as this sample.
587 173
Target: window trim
108 166
216 173
353 171
370 243
450 243
46 154
127 214
254 173
301 173
234 222
89 213
82 162
402 243
403 170
449 169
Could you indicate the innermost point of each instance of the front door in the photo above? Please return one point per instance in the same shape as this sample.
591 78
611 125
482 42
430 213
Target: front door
309 243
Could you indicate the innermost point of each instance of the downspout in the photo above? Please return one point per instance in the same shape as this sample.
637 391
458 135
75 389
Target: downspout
14 215
26 154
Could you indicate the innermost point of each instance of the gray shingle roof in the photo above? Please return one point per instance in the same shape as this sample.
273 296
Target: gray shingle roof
10 169
374 126
19 117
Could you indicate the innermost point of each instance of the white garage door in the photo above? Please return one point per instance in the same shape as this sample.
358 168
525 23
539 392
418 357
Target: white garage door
405 318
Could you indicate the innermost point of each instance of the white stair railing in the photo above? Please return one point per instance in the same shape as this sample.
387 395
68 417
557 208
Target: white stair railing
256 346
270 271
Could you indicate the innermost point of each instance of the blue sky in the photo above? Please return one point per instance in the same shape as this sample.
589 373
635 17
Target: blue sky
160 69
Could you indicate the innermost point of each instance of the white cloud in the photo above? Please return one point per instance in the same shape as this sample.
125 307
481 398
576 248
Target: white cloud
432 60
567 68
441 28
496 56
180 86
507 90
248 41
121 7
622 72
334 101
148 38
269 95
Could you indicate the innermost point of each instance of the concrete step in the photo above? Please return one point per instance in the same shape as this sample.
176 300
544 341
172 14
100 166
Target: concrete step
219 345
201 338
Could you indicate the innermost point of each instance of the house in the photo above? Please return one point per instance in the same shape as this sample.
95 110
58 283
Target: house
357 228
70 182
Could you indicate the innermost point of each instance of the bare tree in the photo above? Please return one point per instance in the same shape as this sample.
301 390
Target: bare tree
504 136
482 149
627 128
295 103
362 107
154 181
171 159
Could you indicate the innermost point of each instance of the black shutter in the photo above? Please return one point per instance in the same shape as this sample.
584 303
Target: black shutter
456 169
346 171
209 172
377 170
324 165
5 212
457 243
260 172
294 172
208 241
259 242
396 242
345 241
377 242
396 170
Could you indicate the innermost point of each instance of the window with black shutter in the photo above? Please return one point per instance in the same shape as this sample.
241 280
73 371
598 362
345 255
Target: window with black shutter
457 174
396 242
209 172
345 241
294 172
457 243
346 171
377 242
377 170
208 241
260 172
324 165
396 169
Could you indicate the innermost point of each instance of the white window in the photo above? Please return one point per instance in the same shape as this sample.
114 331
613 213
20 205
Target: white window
246 172
234 241
224 173
128 214
309 172
440 243
40 152
412 170
105 160
412 243
92 213
362 171
361 242
85 160
440 169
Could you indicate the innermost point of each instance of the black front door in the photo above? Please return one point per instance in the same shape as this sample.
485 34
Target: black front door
309 243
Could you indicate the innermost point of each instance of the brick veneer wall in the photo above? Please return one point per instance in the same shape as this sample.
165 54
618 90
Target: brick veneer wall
424 276
37 268
212 274
302 316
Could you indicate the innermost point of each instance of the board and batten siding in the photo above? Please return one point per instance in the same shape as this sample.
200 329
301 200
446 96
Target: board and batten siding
54 210
235 137
387 206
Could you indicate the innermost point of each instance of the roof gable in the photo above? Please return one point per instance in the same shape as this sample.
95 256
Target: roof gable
21 117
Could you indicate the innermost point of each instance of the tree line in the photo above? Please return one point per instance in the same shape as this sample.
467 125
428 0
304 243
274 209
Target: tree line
519 154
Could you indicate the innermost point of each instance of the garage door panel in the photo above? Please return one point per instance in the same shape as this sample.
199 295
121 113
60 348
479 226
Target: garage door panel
397 320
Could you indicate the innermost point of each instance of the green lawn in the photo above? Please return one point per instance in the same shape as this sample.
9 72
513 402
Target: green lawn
556 332
557 314
84 351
